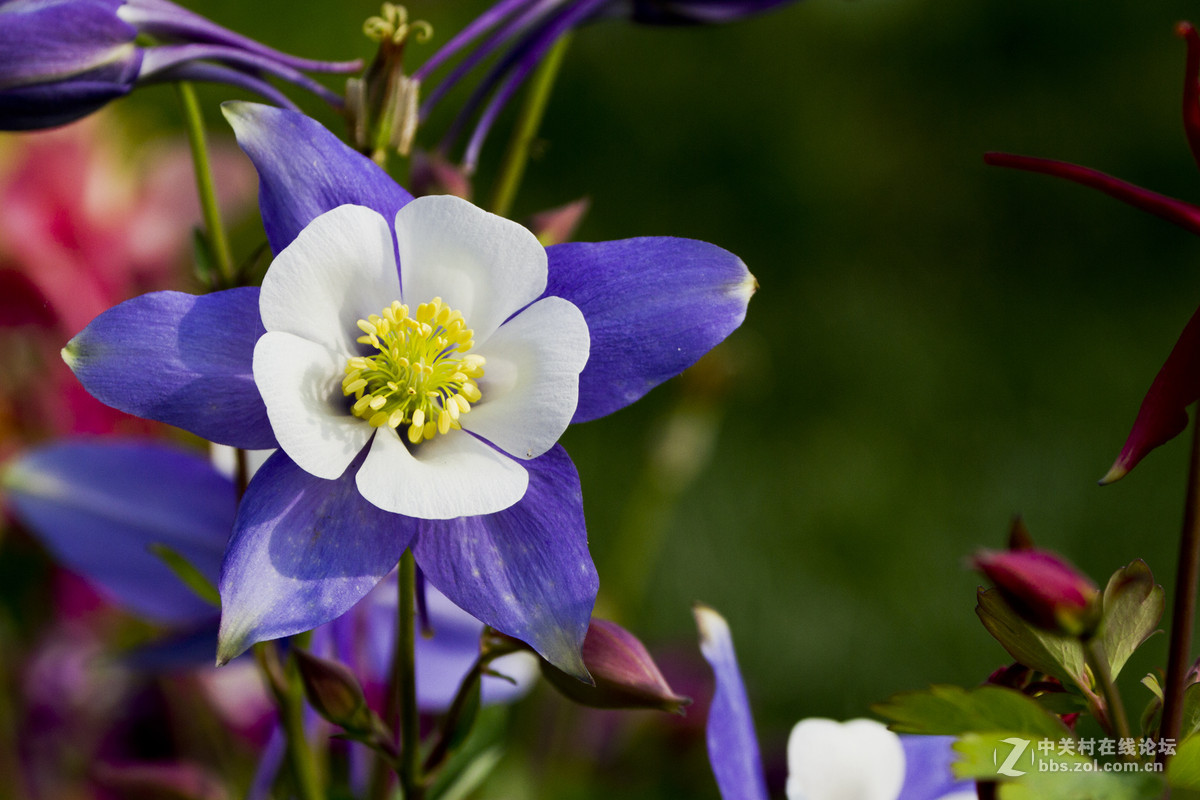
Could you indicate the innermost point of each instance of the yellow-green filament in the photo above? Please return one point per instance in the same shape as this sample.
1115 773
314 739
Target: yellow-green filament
421 375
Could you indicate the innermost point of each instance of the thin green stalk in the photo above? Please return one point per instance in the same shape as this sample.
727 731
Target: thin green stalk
405 677
1183 615
1108 690
289 701
194 123
512 169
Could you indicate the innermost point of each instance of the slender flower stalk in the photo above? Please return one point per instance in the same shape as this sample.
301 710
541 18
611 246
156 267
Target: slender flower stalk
288 698
194 125
512 168
1183 614
411 780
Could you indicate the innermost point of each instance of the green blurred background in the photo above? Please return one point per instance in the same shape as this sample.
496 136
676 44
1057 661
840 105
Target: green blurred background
935 347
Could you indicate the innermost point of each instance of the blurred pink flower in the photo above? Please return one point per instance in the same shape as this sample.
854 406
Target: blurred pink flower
86 225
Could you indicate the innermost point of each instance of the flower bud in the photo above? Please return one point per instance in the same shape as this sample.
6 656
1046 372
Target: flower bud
1044 590
624 673
334 692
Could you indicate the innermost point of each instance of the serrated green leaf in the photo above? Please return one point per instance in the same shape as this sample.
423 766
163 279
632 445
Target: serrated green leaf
953 710
186 572
1133 606
1057 656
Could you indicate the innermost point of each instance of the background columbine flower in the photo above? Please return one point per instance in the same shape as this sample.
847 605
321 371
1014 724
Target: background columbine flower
63 59
827 760
523 33
502 535
100 506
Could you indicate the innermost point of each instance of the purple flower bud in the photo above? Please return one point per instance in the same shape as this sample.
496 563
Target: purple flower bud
624 673
1044 590
63 59
334 692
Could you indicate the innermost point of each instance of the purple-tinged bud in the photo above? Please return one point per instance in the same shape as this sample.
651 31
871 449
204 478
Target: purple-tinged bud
557 225
1044 590
334 692
624 673
431 173
63 59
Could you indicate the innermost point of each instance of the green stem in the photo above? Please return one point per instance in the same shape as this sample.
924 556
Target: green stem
1108 690
1184 610
512 169
287 694
405 678
194 122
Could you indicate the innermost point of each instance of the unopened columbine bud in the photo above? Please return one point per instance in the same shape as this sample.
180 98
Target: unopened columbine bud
334 692
625 675
1044 590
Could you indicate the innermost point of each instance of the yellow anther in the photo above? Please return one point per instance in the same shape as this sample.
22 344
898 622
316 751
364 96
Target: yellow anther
421 376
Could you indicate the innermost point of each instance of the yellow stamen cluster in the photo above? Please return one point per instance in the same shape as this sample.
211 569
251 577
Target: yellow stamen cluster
422 375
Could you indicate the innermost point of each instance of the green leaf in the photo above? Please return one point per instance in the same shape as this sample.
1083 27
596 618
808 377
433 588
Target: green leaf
186 572
1007 755
202 257
953 710
1058 656
1139 785
1133 606
1031 769
1183 770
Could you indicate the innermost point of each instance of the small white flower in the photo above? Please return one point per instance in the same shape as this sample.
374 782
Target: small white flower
447 367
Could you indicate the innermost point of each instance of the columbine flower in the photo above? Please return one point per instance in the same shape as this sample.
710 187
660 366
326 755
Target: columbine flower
827 760
525 30
63 59
1163 413
463 468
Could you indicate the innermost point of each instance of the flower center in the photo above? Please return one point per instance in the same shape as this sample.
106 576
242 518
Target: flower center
421 375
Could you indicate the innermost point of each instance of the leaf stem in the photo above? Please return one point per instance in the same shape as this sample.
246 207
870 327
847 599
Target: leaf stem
512 169
1183 613
194 123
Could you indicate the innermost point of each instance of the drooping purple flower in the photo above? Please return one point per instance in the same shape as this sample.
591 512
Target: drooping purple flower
63 59
1163 412
827 760
488 502
522 33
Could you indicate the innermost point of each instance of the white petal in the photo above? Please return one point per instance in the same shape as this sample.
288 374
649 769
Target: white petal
485 266
338 270
301 383
530 385
856 760
452 475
